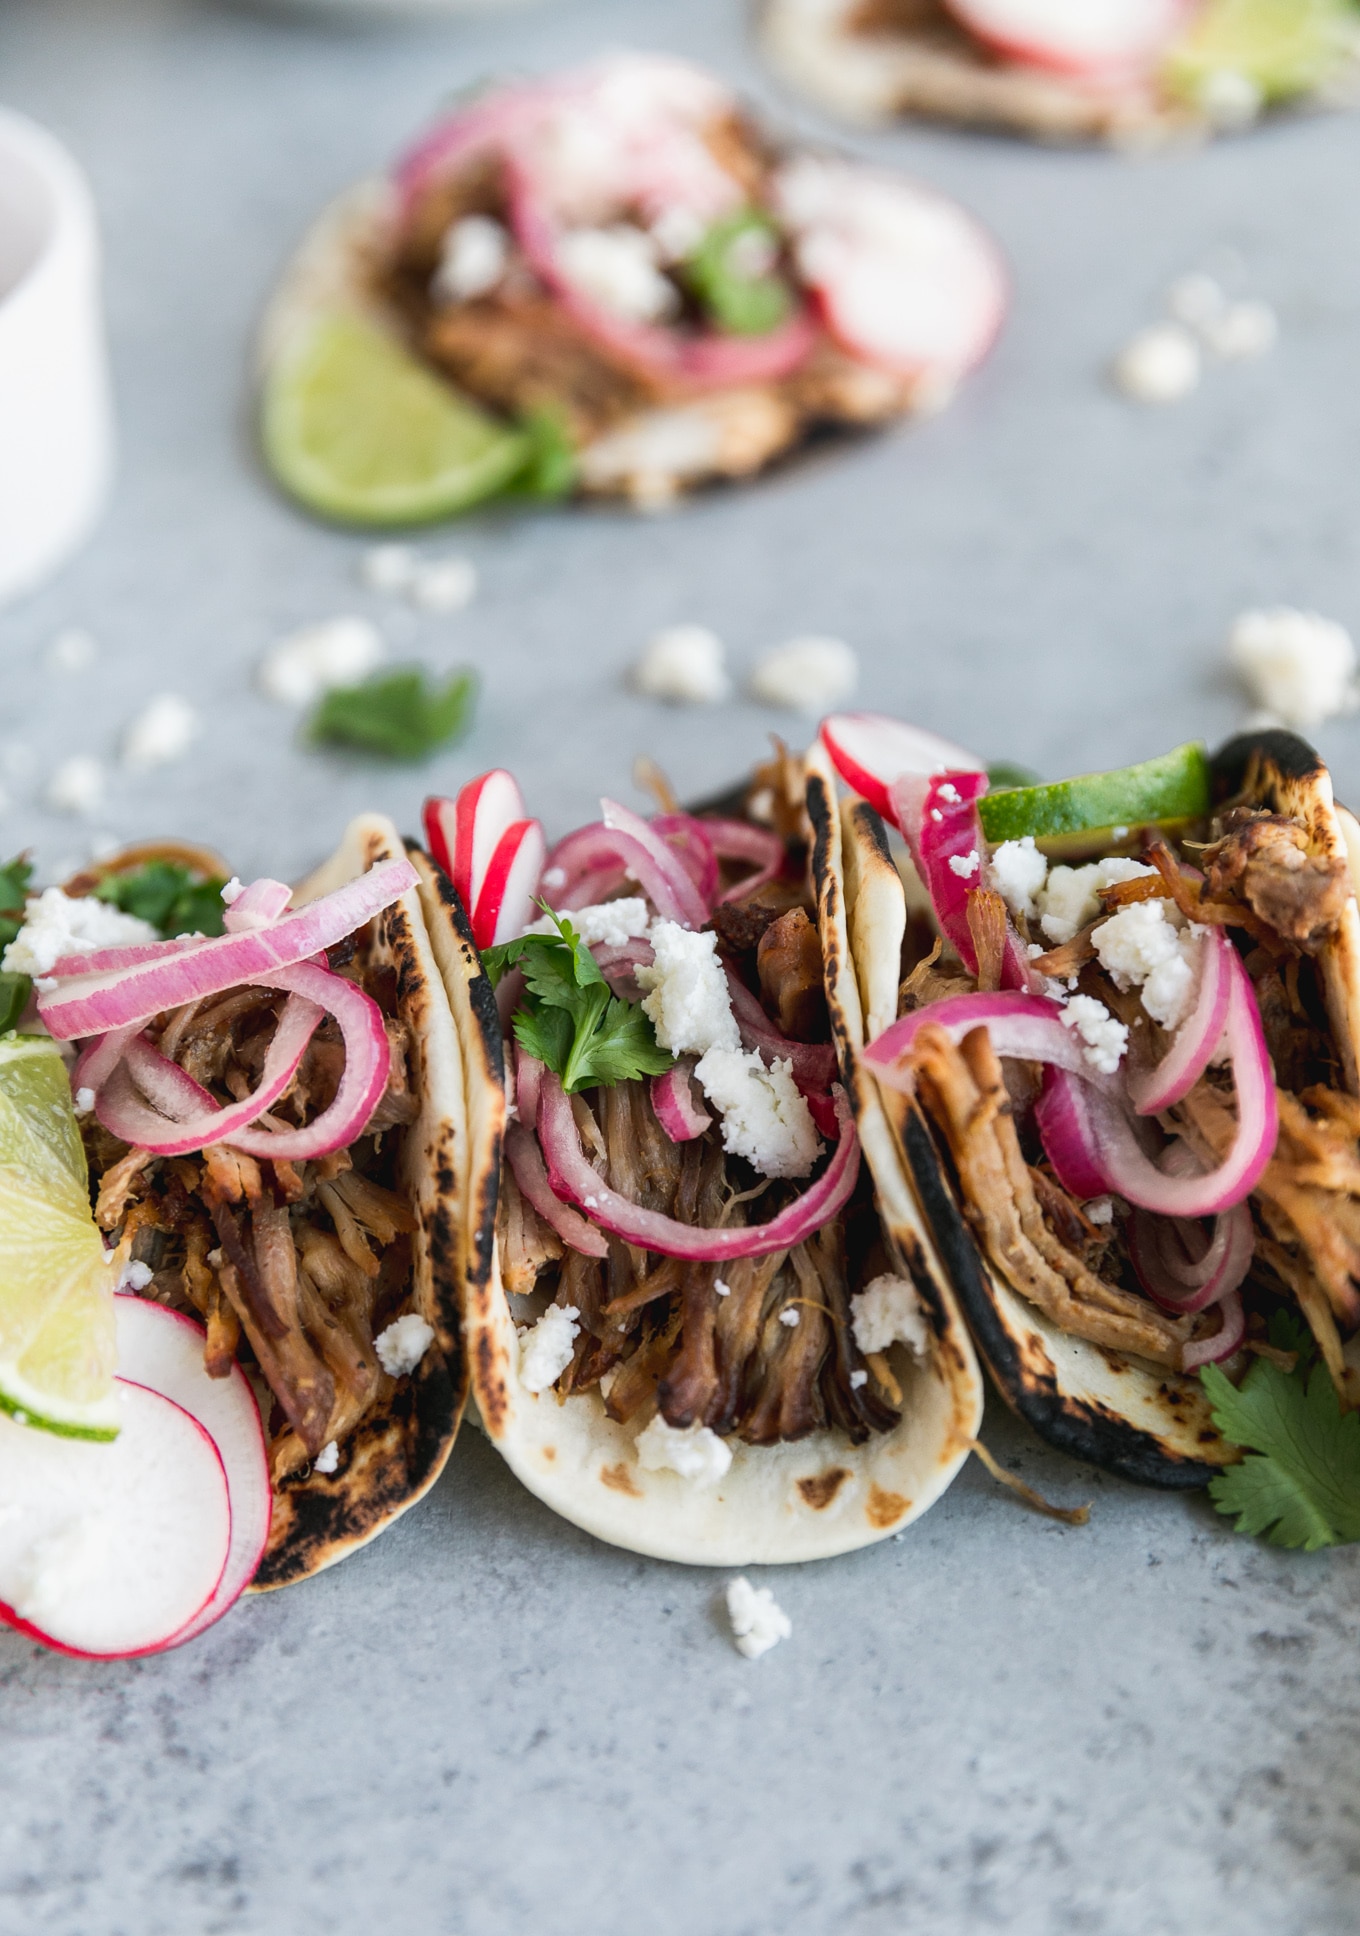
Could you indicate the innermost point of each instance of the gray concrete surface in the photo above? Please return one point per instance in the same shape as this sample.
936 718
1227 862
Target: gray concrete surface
487 1724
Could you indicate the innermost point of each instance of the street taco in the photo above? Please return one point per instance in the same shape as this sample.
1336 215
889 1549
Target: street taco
697 1326
1122 1075
610 281
1128 72
314 1241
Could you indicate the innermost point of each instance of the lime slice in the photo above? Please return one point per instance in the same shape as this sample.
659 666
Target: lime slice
359 430
1174 787
1278 47
57 1347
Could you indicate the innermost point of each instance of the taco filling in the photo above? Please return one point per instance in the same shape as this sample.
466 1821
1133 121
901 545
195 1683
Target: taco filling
683 1226
246 1092
1121 70
1134 1044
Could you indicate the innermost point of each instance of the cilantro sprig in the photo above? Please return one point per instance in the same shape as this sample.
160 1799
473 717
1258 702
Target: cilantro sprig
1299 1484
165 893
400 714
569 1017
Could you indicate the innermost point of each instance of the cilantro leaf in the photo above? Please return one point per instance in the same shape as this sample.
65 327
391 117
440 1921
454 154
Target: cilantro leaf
14 879
165 893
400 714
569 1018
1300 1483
733 274
14 993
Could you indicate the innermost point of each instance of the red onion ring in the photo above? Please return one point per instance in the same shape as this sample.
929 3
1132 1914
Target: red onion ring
667 868
257 906
1196 1040
1089 1131
739 840
1025 1027
528 1077
179 1116
814 1063
673 1102
1178 1285
593 855
1223 1343
689 837
572 1176
526 1162
91 1003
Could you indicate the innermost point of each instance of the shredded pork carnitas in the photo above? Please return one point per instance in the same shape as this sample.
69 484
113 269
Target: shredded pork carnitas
293 1267
1265 876
708 1344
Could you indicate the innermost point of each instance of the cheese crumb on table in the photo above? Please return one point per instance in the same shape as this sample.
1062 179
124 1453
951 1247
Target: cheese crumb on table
682 664
1161 364
758 1621
1297 666
387 567
1244 330
403 1344
694 1452
305 664
443 584
545 1348
72 650
56 925
161 733
77 785
887 1312
1104 1037
806 675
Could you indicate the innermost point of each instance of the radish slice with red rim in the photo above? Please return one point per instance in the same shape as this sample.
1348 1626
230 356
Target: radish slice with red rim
871 750
1095 38
112 1549
505 905
906 280
163 1350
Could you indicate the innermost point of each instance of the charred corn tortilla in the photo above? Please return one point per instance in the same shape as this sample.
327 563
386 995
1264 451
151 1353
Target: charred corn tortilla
871 61
806 1499
394 1453
1110 1406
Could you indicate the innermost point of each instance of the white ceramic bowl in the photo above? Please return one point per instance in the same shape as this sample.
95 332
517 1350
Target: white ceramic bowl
56 423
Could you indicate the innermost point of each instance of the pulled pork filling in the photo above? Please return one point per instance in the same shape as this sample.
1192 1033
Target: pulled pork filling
1277 885
293 1267
518 348
758 1348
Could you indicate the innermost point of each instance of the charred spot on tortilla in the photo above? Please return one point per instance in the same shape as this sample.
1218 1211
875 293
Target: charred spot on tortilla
296 1266
678 1384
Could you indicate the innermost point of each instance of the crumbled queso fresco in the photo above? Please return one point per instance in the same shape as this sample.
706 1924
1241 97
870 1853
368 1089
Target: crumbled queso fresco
56 925
1104 1036
1142 948
887 1312
683 664
1063 898
1297 666
403 1344
808 675
758 1621
545 1348
306 664
609 922
695 1452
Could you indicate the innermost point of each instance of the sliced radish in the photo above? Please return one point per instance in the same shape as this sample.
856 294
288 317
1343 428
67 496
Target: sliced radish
870 751
505 906
464 833
1095 38
110 1550
905 279
163 1350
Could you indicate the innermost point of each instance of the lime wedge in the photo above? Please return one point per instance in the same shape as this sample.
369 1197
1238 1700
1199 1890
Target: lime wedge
1279 47
1174 787
57 1347
359 430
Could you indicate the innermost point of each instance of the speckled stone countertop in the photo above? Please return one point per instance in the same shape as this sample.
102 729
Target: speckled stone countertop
487 1723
